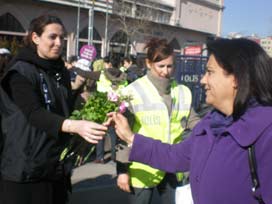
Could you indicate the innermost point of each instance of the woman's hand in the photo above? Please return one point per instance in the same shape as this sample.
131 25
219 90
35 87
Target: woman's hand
79 80
90 131
121 126
123 182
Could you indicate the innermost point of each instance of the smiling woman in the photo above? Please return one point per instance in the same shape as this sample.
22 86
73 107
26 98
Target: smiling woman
220 87
238 85
50 42
35 105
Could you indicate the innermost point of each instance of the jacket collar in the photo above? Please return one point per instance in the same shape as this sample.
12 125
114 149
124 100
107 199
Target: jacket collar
244 131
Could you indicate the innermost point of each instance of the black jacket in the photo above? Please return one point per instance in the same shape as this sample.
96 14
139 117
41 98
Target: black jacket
134 72
30 153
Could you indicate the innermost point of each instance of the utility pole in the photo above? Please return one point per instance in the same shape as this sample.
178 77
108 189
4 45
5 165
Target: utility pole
90 25
77 30
106 29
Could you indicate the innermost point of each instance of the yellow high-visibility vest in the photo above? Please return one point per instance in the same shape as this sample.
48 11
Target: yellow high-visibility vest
152 120
105 85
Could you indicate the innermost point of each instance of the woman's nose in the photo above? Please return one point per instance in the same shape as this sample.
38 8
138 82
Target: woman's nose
203 79
59 41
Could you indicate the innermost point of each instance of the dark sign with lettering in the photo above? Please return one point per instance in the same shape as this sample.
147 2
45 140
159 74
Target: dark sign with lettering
189 70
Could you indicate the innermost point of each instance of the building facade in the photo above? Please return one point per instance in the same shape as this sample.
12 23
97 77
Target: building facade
116 26
266 44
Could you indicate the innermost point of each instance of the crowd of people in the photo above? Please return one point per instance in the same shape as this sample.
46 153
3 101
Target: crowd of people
227 152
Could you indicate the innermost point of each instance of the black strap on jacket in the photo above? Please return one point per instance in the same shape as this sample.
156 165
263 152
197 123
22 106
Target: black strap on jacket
45 92
254 174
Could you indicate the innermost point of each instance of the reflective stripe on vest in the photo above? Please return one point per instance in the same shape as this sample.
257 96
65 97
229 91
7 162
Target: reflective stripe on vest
152 120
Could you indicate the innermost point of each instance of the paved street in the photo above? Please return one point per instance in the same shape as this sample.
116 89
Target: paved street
96 184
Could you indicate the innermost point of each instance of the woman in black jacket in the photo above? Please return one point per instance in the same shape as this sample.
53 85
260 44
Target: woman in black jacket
35 102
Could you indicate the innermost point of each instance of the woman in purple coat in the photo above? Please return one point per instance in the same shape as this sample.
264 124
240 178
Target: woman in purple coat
238 85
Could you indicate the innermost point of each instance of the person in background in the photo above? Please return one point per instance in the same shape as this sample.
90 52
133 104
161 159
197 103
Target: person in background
130 67
70 65
238 86
98 64
110 79
107 63
77 81
5 57
159 105
35 106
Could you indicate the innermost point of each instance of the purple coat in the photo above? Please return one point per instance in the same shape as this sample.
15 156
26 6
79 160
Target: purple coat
218 165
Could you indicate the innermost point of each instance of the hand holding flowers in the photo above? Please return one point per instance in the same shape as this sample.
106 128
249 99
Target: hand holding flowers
122 127
96 108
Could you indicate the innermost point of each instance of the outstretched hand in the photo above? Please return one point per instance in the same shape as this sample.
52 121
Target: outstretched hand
121 126
90 131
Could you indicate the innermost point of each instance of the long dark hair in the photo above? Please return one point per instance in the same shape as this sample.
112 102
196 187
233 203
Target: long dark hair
250 65
37 25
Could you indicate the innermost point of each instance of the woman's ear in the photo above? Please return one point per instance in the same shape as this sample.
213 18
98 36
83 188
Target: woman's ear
35 38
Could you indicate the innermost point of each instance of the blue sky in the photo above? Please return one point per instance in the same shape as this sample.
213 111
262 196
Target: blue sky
247 17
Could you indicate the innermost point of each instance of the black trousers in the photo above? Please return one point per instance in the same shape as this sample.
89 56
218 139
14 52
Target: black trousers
43 192
166 190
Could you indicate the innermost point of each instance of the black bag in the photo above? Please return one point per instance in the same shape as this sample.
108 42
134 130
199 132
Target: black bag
254 174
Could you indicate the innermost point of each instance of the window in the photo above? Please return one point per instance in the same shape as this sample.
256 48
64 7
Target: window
9 23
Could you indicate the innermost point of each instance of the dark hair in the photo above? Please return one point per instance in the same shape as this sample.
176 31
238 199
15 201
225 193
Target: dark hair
130 59
158 49
251 67
72 58
107 59
37 25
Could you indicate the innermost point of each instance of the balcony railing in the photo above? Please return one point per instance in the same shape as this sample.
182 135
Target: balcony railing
99 5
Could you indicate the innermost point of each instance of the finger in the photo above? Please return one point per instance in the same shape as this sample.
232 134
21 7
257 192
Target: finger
96 126
95 137
90 140
124 188
127 188
111 114
120 187
120 119
119 116
108 122
97 132
114 116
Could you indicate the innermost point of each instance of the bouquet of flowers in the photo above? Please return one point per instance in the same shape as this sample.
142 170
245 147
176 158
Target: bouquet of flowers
95 109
